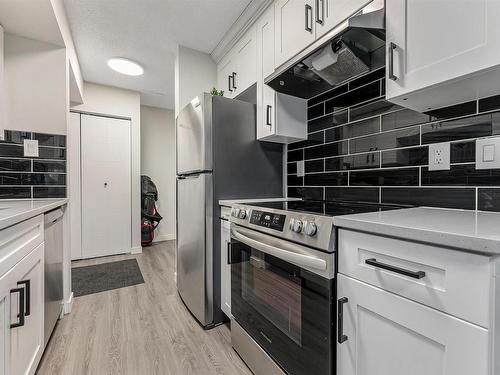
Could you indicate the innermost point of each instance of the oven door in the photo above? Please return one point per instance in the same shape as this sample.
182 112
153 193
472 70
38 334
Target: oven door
282 295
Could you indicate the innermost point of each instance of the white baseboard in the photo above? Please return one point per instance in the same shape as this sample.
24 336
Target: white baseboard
164 237
68 304
136 250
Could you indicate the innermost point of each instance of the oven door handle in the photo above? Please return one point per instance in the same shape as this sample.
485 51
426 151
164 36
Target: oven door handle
296 258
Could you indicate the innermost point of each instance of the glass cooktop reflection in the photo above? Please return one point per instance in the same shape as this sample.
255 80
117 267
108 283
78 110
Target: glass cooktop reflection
328 208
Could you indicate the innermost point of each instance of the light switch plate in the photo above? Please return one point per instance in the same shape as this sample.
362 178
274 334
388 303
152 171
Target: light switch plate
439 156
31 148
488 153
300 168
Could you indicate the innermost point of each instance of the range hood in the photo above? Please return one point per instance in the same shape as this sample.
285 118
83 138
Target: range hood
352 49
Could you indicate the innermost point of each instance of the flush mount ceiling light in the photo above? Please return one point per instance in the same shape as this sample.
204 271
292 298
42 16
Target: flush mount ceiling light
125 66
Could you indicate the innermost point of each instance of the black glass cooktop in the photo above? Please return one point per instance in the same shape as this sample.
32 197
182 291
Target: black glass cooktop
332 208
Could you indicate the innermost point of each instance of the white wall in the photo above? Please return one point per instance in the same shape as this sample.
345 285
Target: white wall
113 101
195 72
158 162
35 85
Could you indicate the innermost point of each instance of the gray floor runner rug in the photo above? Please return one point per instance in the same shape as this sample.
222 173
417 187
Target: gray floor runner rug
106 276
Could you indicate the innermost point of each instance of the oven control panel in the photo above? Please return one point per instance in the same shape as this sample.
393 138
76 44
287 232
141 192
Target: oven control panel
268 220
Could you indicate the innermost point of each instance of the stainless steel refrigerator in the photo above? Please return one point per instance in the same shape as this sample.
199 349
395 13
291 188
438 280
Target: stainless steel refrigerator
218 157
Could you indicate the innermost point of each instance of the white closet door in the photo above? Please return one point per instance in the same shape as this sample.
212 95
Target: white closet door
106 186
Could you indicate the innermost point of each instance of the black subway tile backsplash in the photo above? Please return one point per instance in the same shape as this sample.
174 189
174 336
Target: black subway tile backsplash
432 197
327 150
49 192
363 127
15 165
488 199
326 179
28 177
363 148
402 118
385 177
405 156
293 180
356 194
360 161
462 109
314 193
394 139
489 104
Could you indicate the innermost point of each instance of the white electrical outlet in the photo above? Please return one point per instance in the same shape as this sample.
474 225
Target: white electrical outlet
439 156
31 148
300 168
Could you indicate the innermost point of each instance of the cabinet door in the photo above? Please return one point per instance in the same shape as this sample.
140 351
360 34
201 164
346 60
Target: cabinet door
294 28
26 342
245 70
225 282
5 294
224 82
330 13
265 67
389 335
458 38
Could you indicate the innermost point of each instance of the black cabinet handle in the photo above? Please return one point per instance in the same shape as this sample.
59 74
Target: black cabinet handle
229 253
268 115
309 16
20 321
340 320
320 9
415 274
234 80
27 288
229 83
392 47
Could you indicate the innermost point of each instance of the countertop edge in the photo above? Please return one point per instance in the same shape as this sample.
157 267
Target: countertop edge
229 202
21 215
459 242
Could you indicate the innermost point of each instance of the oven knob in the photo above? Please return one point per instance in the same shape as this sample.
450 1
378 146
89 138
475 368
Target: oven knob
310 228
297 226
292 223
243 214
235 212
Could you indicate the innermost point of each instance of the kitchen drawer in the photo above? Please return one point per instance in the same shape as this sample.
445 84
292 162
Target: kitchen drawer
454 282
18 241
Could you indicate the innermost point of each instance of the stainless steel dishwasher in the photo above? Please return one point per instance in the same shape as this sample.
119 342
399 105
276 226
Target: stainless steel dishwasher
53 269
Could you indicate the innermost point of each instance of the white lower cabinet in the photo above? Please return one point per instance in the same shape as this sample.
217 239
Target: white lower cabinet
225 282
386 334
21 314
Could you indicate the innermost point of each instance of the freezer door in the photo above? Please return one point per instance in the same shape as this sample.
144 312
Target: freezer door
194 136
194 245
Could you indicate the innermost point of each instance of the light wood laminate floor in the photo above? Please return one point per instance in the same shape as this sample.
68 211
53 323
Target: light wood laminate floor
143 329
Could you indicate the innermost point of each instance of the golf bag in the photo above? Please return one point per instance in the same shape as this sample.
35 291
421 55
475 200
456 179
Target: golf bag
150 216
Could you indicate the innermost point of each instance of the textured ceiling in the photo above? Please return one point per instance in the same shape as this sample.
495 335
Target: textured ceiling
148 32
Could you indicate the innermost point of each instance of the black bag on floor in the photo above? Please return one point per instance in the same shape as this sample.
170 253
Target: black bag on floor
150 216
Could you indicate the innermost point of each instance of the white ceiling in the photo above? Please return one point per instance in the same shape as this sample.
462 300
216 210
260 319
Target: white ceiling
148 32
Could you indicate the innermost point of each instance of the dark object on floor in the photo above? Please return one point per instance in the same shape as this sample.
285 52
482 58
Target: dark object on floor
150 216
105 276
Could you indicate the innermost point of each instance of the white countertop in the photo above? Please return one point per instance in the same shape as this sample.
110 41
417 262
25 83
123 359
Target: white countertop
472 231
229 202
15 211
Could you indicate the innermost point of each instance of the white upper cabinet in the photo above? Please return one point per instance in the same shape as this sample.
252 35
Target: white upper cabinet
280 118
237 71
442 52
380 333
331 13
245 74
295 28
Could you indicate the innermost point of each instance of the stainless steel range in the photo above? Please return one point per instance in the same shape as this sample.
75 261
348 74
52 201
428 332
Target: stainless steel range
283 293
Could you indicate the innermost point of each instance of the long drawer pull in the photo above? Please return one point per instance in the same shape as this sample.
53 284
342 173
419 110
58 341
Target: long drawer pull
414 274
27 287
341 338
20 316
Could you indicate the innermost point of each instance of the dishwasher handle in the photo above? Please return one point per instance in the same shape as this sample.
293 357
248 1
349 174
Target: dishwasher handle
53 216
